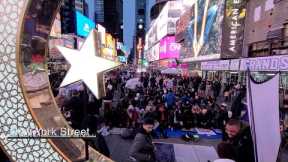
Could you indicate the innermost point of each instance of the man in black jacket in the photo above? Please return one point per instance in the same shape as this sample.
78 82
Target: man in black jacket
239 136
142 149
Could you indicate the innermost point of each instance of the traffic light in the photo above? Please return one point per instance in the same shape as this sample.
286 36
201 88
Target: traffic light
68 17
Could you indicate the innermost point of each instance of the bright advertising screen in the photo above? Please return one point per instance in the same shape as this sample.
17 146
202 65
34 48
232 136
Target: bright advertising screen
204 31
109 50
169 48
165 24
122 59
102 32
84 24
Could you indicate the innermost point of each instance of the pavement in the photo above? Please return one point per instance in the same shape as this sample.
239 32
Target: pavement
119 147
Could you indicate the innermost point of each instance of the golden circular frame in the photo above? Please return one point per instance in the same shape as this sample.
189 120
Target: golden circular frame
26 99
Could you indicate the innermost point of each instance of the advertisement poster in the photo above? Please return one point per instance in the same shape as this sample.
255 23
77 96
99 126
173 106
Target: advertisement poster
233 26
102 32
169 48
153 53
109 50
204 32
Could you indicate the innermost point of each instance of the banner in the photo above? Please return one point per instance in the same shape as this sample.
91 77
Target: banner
233 29
215 65
272 63
263 107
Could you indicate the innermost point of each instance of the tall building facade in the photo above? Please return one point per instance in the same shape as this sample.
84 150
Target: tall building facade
67 13
139 37
113 18
149 5
96 10
108 13
157 8
266 28
140 18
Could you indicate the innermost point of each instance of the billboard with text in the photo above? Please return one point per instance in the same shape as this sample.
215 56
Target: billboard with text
169 48
233 26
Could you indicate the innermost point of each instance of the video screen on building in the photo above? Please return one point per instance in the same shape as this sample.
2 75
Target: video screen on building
204 31
169 48
83 24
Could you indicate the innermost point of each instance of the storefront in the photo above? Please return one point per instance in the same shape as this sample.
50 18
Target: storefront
262 69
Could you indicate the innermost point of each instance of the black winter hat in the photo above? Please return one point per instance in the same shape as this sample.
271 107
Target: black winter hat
148 121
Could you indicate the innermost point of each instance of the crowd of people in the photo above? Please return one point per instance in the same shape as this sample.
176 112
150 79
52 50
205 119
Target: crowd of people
172 102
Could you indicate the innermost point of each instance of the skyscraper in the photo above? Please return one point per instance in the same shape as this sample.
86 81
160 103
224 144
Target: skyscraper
68 16
139 36
149 5
140 18
108 13
96 10
113 17
79 5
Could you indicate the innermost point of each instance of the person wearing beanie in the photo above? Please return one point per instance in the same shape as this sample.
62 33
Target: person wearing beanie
142 148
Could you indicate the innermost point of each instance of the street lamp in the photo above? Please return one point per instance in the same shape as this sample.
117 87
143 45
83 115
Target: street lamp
140 26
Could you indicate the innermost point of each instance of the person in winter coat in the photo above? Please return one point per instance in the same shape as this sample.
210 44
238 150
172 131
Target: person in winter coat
239 136
142 149
170 100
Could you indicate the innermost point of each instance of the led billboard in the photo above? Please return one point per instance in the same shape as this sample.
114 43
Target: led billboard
83 24
204 32
169 48
165 24
109 50
215 30
182 24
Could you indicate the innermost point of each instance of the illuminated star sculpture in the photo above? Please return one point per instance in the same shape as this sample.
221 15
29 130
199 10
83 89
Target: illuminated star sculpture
87 66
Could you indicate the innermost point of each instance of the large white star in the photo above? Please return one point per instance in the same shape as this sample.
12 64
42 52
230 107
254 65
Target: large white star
86 66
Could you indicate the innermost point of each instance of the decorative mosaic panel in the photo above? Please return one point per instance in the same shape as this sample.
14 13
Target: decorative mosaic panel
14 113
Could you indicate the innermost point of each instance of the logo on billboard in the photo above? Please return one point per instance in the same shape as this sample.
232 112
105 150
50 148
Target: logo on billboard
174 47
86 28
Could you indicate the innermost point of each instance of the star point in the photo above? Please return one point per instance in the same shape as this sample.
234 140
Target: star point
87 66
